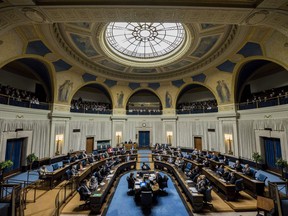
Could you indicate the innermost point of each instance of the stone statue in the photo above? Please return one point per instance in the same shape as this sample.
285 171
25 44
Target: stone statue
64 90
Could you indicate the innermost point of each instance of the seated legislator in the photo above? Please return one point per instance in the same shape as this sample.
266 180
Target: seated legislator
84 190
179 162
145 185
93 183
158 157
226 174
158 178
170 160
194 173
225 160
214 157
201 185
206 162
232 178
246 170
145 166
237 166
128 157
74 170
43 171
220 170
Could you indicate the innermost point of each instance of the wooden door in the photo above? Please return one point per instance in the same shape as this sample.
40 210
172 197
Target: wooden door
144 139
89 144
198 143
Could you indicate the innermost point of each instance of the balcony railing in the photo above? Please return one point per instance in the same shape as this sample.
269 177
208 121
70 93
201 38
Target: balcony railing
196 111
4 99
89 111
143 112
275 101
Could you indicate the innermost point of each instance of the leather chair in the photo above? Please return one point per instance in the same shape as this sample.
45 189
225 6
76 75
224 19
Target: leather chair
146 198
261 177
207 198
188 167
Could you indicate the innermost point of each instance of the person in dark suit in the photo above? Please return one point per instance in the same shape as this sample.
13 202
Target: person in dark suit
232 179
158 178
193 173
237 166
84 190
226 174
246 170
214 157
145 166
201 185
220 170
206 162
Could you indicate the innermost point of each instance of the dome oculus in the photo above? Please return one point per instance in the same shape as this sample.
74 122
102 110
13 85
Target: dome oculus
144 40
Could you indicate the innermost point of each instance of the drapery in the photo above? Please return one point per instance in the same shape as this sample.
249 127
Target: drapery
41 133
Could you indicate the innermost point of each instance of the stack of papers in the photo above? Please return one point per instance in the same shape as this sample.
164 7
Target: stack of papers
193 189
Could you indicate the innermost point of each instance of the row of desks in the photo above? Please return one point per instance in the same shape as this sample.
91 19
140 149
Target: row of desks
196 199
98 197
58 174
252 186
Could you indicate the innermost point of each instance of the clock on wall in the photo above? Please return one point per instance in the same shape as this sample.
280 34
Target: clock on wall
143 124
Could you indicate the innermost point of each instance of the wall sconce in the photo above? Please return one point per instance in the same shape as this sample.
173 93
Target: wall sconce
118 135
59 141
169 137
228 139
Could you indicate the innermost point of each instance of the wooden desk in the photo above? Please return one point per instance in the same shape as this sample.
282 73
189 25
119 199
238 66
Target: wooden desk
252 186
226 189
98 197
196 199
264 204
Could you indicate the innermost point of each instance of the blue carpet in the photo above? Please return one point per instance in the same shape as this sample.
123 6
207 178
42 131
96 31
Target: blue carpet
144 151
144 160
122 204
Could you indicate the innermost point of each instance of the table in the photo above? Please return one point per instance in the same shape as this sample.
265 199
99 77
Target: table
226 189
196 199
98 197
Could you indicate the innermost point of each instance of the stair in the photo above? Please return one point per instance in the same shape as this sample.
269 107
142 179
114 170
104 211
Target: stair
144 156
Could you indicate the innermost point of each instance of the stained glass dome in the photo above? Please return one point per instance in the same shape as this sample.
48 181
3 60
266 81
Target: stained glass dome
144 40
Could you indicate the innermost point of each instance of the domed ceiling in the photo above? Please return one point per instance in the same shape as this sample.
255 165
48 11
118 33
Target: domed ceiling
187 47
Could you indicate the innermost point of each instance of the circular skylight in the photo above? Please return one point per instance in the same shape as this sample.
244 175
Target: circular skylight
144 40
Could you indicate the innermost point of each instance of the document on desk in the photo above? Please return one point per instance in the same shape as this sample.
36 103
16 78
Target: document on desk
188 181
110 176
102 183
193 189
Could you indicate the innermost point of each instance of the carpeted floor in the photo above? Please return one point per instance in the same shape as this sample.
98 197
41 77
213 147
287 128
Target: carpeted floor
123 204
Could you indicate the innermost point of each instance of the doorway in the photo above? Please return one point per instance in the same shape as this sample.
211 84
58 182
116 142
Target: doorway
14 149
273 152
89 145
198 143
144 139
